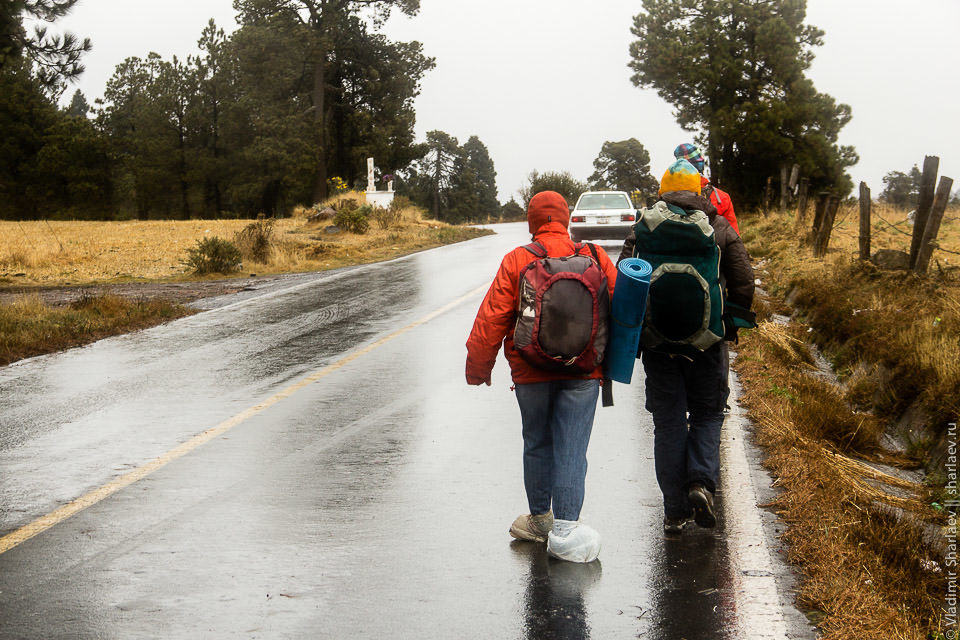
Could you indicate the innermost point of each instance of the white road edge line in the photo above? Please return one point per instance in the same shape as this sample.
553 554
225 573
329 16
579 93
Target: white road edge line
758 612
41 524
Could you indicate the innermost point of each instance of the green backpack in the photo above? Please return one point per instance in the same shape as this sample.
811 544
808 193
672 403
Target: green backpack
685 303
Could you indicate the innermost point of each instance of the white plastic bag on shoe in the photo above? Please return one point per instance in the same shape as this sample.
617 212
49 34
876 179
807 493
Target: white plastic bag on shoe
573 542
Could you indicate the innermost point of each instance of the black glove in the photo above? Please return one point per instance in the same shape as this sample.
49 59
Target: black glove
730 329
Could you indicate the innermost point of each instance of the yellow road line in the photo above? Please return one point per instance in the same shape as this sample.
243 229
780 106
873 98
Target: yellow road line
91 498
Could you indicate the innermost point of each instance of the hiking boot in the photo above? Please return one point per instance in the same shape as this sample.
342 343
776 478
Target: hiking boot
674 526
573 541
702 502
531 527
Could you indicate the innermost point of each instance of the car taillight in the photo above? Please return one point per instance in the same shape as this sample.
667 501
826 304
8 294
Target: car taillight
578 219
627 217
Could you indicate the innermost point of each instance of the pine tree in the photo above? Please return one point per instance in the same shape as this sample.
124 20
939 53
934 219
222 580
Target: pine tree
623 166
734 71
56 57
328 27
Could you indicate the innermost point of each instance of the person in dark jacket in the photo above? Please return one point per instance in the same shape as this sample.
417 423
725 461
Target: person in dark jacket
686 395
721 200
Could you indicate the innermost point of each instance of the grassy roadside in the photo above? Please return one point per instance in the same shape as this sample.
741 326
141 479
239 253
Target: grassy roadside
28 327
856 524
48 253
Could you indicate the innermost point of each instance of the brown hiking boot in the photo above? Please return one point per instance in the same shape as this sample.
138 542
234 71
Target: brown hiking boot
531 527
701 500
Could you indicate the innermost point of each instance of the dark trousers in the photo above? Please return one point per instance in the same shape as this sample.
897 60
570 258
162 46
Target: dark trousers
686 399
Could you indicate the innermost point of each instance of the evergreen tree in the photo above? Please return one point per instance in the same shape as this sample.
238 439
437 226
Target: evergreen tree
437 169
734 70
473 185
478 156
902 189
267 127
56 57
71 175
25 115
79 107
560 181
330 32
512 211
52 164
623 166
215 92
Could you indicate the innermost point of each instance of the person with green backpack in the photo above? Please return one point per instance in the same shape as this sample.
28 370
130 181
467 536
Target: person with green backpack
700 293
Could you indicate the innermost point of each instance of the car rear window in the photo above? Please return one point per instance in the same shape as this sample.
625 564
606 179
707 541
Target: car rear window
604 201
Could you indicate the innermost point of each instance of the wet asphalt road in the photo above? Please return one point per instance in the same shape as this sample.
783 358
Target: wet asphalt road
371 502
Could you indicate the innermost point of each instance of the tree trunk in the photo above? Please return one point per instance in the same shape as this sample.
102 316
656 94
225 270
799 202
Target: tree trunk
436 186
184 187
767 196
715 161
217 195
320 122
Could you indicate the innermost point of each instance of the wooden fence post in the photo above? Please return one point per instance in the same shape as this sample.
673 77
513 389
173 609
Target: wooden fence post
794 176
819 210
826 226
928 181
933 225
802 201
864 221
783 188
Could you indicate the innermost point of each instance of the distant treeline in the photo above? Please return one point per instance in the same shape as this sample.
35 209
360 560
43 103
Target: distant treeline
269 117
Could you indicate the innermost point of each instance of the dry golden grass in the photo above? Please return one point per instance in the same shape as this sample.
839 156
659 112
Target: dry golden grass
894 338
868 571
54 253
899 332
74 253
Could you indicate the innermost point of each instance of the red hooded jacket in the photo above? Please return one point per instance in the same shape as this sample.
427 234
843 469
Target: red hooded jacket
547 216
721 200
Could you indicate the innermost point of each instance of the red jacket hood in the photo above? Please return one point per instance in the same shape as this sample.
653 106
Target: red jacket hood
545 207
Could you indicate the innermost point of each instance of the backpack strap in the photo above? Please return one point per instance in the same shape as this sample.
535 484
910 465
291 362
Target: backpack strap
593 250
712 195
536 249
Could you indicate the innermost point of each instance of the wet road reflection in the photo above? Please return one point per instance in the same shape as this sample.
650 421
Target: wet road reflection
554 606
693 597
372 503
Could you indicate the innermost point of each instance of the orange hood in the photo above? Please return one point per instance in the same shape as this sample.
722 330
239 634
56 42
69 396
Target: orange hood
547 206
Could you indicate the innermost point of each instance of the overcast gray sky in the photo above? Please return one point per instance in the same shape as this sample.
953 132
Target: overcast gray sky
544 83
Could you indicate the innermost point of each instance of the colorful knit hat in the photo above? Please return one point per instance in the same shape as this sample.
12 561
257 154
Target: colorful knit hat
680 176
691 153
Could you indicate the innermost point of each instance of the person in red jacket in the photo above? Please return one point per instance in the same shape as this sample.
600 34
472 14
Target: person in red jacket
720 199
556 409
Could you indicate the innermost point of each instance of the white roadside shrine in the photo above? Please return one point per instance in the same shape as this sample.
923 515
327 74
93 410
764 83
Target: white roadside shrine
374 197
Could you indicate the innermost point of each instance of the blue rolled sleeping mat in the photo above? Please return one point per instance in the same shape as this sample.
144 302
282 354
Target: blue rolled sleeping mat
626 318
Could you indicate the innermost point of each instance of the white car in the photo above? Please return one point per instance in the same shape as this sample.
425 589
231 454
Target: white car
602 214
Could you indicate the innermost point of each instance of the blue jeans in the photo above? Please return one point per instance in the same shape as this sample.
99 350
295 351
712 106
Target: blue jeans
686 399
557 420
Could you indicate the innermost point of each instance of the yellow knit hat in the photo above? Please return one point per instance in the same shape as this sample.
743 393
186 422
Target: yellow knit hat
680 176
